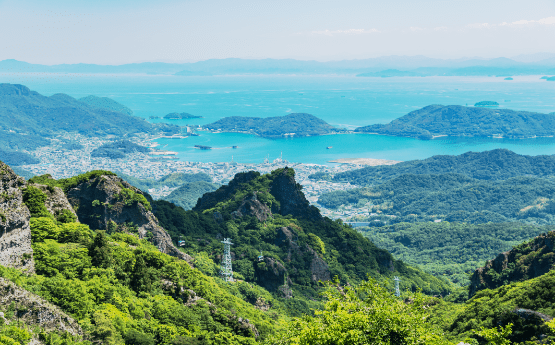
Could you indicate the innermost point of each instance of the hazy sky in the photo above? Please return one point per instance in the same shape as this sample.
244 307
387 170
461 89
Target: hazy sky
99 31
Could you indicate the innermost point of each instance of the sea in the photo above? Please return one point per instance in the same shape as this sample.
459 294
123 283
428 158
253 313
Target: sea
342 101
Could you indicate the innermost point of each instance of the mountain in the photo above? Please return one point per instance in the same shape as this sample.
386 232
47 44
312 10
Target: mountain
63 282
450 249
268 216
453 197
28 119
171 180
456 120
118 149
292 125
527 260
498 164
234 66
106 103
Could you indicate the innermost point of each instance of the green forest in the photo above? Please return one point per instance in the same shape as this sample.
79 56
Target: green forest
300 278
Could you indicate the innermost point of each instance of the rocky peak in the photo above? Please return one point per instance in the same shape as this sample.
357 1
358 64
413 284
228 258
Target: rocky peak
106 201
15 233
290 196
525 261
210 200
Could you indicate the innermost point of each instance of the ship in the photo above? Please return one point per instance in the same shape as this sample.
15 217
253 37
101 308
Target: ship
329 147
202 147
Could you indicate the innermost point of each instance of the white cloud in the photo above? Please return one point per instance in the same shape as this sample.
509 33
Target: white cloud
345 32
415 28
517 24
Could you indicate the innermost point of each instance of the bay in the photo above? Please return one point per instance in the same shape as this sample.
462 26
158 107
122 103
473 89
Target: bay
342 101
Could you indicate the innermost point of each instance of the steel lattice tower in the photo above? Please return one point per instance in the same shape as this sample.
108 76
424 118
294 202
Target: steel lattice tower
226 271
397 291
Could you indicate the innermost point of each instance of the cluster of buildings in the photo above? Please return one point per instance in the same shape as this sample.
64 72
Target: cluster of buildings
61 163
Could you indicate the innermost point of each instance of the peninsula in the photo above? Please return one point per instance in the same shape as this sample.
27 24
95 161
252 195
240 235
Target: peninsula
288 126
455 120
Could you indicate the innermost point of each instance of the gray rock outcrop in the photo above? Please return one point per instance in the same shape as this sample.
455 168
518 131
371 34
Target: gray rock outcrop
15 233
99 204
33 310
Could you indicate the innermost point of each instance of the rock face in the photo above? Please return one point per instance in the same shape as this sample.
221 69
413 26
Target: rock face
36 310
291 198
272 273
56 200
15 233
525 261
251 206
105 201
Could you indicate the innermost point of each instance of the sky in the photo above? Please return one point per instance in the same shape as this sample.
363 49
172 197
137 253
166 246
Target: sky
117 32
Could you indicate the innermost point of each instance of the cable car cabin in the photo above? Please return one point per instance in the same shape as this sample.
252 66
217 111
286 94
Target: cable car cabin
260 258
181 243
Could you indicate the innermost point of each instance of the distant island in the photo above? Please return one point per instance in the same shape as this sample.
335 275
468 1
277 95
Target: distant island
550 79
487 104
179 116
391 73
455 120
292 125
509 78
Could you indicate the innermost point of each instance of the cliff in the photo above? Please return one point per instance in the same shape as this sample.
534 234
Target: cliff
107 201
456 120
15 233
292 125
35 311
526 261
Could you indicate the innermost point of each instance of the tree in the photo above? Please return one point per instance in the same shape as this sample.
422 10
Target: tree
100 251
364 314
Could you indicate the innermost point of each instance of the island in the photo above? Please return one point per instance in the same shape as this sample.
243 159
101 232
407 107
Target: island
288 126
550 79
454 120
179 116
509 78
488 103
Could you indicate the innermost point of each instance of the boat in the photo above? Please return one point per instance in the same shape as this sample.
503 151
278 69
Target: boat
202 147
329 147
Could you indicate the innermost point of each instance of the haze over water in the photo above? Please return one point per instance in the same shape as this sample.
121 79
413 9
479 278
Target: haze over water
341 101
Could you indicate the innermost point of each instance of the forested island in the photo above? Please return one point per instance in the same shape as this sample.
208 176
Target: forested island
292 125
179 116
455 120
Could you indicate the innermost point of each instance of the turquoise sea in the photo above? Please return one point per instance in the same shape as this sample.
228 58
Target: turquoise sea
342 101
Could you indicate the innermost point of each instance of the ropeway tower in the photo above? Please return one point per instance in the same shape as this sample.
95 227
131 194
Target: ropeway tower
397 291
226 271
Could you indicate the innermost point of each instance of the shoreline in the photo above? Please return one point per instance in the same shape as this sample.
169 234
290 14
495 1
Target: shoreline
364 161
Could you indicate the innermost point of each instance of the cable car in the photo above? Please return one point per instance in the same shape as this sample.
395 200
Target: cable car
181 242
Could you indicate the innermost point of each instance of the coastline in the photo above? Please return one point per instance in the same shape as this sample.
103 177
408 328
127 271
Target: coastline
364 161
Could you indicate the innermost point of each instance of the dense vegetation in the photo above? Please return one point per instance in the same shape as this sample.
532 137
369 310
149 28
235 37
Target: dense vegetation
526 305
307 239
454 197
106 103
297 124
527 260
486 104
186 196
27 118
456 120
170 180
450 250
123 290
499 164
118 149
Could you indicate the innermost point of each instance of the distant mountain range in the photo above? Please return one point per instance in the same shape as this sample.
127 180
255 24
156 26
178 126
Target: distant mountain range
405 66
456 120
